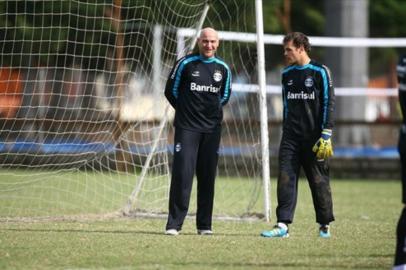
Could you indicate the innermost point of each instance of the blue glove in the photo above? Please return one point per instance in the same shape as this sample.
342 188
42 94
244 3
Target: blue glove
323 147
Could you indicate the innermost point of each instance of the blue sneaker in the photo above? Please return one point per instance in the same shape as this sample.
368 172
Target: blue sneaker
324 231
276 232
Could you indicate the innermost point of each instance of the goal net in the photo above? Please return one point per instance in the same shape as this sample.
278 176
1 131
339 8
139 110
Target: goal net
86 130
85 126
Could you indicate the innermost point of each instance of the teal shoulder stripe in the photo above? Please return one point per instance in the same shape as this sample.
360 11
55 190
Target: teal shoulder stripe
228 82
181 66
288 69
325 91
285 103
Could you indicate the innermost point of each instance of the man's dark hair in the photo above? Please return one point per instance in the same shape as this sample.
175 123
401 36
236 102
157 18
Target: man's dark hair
298 39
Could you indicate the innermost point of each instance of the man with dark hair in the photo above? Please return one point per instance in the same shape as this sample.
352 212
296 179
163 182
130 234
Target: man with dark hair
198 87
400 257
308 99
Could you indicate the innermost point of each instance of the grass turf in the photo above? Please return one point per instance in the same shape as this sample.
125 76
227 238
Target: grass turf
363 237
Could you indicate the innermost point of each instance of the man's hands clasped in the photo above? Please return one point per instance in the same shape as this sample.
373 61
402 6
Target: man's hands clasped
323 147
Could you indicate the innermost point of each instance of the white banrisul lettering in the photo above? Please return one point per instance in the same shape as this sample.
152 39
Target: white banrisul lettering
301 95
204 88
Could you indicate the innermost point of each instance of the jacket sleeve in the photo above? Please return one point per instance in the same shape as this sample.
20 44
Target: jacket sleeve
284 100
171 93
401 71
226 86
328 99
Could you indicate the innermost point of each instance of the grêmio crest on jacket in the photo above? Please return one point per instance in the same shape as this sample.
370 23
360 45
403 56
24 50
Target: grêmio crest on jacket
309 81
217 76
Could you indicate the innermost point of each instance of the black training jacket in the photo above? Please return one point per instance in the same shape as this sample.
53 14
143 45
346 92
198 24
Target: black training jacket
308 100
198 88
401 71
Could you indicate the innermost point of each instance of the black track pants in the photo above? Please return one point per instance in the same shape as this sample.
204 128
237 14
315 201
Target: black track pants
402 153
193 151
294 154
400 256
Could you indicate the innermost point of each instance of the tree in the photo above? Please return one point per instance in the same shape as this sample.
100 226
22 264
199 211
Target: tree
386 20
53 33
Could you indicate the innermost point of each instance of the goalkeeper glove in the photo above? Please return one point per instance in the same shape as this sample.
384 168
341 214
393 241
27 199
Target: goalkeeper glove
323 147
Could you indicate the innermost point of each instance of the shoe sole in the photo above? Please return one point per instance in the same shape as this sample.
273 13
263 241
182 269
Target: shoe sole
279 236
325 236
172 233
204 233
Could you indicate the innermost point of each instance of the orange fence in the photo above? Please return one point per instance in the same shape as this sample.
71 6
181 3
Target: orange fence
10 92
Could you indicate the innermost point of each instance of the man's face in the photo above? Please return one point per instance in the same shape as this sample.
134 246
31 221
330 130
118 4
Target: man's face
208 43
292 54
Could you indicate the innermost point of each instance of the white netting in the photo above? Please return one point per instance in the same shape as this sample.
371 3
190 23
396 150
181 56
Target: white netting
81 103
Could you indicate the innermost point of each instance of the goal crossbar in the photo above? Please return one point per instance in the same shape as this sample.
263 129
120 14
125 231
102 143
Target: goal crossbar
315 40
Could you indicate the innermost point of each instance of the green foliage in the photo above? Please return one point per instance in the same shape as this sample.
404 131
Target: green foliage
231 15
51 32
386 18
272 23
64 33
60 33
162 12
308 17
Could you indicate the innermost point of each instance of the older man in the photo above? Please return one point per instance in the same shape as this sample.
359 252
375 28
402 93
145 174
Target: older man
198 87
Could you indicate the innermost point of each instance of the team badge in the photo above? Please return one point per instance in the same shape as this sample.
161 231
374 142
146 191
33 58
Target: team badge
217 76
178 147
309 82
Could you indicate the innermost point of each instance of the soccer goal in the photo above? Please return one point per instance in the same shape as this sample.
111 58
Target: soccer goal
86 129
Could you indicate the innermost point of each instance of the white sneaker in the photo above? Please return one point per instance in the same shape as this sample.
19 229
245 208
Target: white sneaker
204 232
172 232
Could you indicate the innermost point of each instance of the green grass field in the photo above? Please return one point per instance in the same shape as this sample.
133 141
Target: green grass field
363 237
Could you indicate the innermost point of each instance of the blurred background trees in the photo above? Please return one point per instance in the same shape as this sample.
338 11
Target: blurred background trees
84 28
